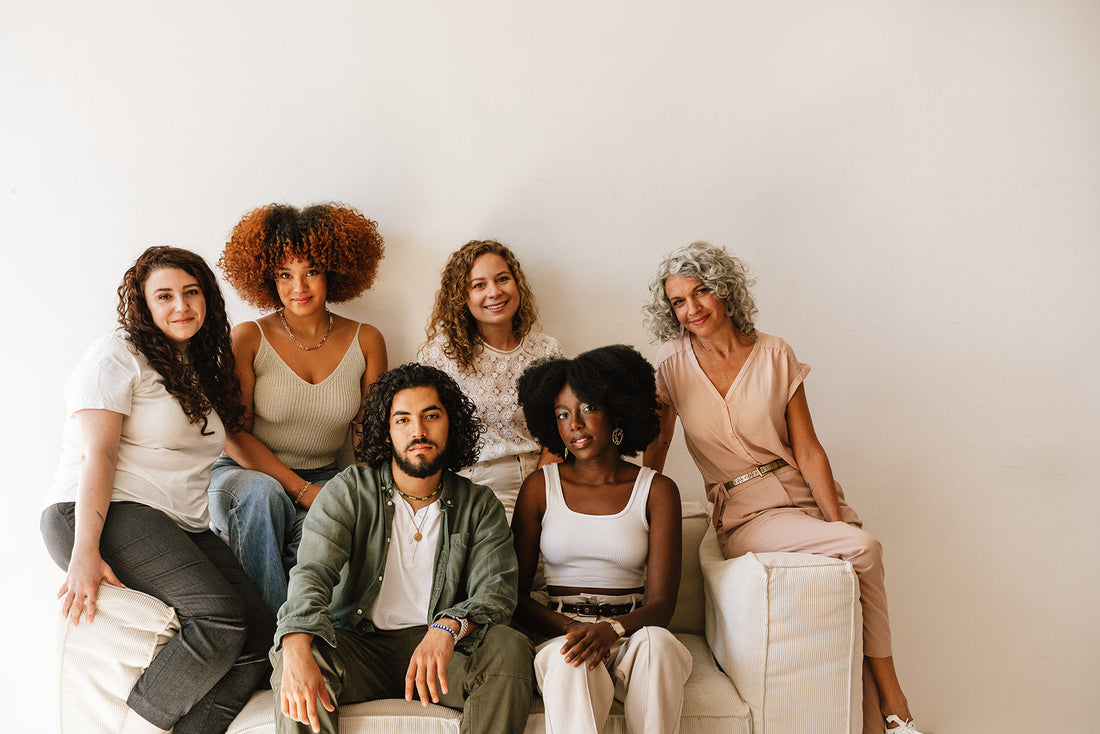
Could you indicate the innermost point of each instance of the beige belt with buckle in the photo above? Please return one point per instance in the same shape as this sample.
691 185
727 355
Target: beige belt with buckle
757 472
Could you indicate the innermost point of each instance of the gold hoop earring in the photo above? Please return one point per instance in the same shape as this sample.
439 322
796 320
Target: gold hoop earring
565 454
617 436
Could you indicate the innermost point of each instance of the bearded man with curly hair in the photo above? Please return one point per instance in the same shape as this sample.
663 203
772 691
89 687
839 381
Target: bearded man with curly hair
430 578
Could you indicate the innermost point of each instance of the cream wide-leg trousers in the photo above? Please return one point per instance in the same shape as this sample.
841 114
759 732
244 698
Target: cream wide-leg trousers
646 671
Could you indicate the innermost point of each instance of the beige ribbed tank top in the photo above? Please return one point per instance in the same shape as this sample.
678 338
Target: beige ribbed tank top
303 424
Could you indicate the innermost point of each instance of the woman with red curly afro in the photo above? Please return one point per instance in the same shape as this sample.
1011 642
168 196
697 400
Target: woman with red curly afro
303 370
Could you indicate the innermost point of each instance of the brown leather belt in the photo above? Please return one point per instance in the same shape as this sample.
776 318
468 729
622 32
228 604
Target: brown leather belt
593 610
757 472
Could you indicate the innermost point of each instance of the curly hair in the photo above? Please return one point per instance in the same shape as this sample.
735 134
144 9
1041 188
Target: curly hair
723 273
333 237
616 378
450 315
208 379
464 427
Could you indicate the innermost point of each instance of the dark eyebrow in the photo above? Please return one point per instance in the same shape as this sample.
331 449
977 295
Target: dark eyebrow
189 285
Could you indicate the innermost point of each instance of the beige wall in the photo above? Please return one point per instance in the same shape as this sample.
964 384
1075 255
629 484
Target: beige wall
914 184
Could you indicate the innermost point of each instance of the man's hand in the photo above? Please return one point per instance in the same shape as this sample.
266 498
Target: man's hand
427 671
302 683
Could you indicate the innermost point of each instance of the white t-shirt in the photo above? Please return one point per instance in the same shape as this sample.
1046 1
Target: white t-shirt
406 591
491 385
163 459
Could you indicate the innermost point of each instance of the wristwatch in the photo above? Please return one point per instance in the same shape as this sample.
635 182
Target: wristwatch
617 626
463 626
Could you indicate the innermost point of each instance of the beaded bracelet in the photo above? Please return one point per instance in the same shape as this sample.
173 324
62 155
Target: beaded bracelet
448 630
301 492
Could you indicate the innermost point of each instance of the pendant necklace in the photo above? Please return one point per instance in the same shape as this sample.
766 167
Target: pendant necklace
295 339
416 535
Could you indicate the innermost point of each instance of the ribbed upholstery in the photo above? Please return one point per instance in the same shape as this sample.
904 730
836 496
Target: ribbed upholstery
711 704
786 627
99 663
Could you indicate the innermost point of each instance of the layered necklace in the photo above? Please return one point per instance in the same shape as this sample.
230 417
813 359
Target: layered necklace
295 339
416 526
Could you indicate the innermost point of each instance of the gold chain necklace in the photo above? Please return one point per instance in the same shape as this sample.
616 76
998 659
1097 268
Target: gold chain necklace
295 339
416 535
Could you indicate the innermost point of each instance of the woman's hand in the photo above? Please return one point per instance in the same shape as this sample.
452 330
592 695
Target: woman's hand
81 588
588 641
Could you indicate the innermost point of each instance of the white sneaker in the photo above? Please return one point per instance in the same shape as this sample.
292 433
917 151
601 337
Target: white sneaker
899 726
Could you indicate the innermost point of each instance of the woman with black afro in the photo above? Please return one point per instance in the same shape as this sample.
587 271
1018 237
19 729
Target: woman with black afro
609 533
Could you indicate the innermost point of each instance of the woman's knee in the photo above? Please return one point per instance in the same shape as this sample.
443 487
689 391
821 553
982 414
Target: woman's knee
246 492
867 550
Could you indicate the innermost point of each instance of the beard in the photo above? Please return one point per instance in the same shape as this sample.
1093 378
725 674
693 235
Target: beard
420 468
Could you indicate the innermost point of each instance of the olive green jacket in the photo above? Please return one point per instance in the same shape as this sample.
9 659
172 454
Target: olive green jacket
342 557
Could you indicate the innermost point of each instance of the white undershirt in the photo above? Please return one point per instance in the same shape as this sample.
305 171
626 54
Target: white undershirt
410 565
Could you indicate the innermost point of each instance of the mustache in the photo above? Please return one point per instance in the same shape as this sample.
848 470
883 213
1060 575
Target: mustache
420 442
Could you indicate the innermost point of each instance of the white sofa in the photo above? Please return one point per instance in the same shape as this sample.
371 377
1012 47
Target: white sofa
784 627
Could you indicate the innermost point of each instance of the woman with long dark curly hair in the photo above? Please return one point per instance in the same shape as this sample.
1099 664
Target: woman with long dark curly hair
741 400
482 333
609 533
149 407
303 371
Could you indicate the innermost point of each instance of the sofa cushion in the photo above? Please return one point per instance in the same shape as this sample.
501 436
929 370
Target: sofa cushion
787 628
98 663
689 616
711 704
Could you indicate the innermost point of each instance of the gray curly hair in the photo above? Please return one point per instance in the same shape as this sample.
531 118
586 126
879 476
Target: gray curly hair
720 271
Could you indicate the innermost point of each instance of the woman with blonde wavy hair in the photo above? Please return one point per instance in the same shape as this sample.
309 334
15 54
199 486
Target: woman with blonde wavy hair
482 333
740 398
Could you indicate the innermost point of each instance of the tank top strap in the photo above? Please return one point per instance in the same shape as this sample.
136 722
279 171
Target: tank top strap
552 480
639 495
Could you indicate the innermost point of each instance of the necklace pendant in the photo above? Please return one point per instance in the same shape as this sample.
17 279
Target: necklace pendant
417 537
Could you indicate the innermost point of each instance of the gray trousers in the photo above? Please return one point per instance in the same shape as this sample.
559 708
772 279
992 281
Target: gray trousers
492 686
205 674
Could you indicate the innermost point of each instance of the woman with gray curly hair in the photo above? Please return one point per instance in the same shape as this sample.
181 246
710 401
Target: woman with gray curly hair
739 395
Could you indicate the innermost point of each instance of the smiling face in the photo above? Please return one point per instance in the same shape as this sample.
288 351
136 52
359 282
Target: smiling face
696 306
302 288
419 428
176 304
492 295
585 429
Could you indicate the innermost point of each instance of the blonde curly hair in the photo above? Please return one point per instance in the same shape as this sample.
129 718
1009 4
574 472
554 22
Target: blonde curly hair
723 273
452 319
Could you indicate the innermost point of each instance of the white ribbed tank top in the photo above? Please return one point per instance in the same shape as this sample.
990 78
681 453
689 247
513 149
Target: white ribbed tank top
599 551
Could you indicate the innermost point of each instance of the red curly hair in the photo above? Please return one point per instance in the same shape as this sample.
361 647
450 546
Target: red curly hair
333 237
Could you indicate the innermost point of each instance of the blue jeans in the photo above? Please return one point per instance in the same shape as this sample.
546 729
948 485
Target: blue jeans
263 527
205 674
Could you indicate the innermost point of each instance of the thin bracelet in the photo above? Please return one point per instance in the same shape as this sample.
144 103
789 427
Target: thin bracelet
448 630
301 492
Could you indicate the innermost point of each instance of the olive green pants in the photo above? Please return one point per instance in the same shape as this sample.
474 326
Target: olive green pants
492 686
